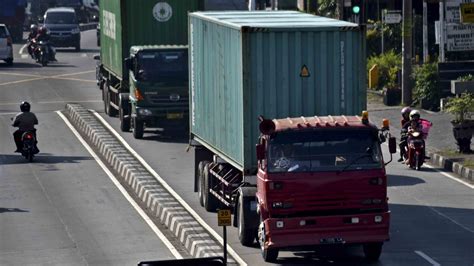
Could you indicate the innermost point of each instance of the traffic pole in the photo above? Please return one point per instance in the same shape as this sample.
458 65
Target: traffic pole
407 52
224 234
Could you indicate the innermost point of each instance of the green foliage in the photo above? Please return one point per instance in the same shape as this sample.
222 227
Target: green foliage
426 85
461 107
469 77
392 38
328 8
389 64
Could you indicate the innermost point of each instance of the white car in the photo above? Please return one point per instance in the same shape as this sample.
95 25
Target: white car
6 45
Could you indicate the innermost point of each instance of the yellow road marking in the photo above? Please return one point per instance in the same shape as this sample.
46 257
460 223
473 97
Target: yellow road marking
57 77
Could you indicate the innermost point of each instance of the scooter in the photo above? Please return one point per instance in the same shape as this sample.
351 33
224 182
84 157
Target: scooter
415 150
29 148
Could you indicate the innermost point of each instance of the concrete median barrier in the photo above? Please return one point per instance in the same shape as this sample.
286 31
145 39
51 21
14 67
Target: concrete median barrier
192 234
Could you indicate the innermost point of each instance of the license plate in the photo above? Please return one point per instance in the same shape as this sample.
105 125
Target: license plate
332 240
174 115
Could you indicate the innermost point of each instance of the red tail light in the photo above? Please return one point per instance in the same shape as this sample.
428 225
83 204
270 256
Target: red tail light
9 41
29 136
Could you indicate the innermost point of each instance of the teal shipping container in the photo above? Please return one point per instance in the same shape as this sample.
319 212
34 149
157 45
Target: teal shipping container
124 23
272 63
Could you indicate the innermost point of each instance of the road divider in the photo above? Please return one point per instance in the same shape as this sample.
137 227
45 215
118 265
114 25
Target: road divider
196 236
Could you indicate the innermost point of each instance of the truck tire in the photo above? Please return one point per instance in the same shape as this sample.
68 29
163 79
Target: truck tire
210 202
201 181
138 128
124 121
110 110
372 251
268 254
246 234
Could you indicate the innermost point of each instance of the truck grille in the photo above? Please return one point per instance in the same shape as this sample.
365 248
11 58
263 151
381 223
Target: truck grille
165 101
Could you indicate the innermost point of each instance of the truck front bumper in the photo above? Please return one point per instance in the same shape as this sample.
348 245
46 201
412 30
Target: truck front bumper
324 230
162 118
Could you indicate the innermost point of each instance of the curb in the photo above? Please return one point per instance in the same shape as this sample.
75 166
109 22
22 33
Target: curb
452 166
192 235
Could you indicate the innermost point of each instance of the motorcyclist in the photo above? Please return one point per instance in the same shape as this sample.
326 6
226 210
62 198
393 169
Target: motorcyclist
44 36
415 125
33 33
25 121
403 136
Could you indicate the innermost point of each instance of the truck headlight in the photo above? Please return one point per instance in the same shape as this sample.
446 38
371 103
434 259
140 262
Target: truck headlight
144 112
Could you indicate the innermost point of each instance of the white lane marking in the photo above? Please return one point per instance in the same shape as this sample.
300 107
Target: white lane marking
86 101
24 56
170 190
83 55
426 257
9 113
122 189
446 174
22 49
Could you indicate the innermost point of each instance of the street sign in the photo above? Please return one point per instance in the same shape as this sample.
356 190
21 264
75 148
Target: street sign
224 218
467 13
393 17
459 37
452 8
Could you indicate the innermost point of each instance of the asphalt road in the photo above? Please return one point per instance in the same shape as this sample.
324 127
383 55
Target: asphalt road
432 215
62 209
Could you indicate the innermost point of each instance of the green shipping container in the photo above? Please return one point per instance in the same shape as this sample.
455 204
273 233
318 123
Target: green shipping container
125 23
276 64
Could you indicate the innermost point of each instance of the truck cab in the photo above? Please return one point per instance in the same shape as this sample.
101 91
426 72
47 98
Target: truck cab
322 181
158 88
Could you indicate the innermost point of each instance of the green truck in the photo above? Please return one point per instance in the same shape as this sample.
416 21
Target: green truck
143 68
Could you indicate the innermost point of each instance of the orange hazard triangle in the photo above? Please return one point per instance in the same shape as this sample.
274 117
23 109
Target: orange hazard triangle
304 73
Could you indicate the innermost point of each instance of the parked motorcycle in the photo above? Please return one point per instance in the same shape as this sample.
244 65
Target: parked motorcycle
415 150
29 149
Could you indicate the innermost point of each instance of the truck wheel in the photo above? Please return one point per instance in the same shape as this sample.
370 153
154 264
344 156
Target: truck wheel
201 181
372 251
137 128
268 254
210 202
124 121
246 235
105 97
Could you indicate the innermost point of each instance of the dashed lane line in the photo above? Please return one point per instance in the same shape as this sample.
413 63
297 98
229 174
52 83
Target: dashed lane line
20 81
427 258
21 74
56 77
145 217
193 213
74 79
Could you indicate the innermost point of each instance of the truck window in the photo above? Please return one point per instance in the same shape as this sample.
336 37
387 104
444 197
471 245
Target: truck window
163 66
324 150
60 18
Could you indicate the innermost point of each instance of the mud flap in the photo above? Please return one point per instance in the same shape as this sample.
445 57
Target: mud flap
247 197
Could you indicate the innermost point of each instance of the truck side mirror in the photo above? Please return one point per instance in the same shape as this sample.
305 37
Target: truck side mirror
260 151
392 145
128 63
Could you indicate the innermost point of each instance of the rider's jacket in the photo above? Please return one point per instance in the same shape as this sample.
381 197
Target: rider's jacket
25 121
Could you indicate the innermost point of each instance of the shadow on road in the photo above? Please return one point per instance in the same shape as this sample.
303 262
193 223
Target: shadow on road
42 158
403 180
21 65
167 137
2 210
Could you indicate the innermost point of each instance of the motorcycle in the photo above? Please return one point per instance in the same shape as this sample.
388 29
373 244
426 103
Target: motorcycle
41 52
415 150
29 148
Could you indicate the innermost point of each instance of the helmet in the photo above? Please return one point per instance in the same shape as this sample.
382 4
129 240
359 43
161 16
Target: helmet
25 106
415 114
34 27
406 111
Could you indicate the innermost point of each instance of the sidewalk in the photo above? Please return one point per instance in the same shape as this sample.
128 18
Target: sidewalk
441 145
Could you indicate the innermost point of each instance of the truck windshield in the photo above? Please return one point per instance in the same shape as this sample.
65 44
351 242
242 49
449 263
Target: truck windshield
324 150
163 66
60 18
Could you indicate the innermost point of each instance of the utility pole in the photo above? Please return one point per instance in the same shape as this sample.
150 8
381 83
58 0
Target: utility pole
407 51
441 30
425 32
340 9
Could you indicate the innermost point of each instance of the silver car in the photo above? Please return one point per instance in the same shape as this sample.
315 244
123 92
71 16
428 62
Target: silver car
6 45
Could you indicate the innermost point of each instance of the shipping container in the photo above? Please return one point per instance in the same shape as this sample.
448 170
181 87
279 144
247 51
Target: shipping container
276 64
147 22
